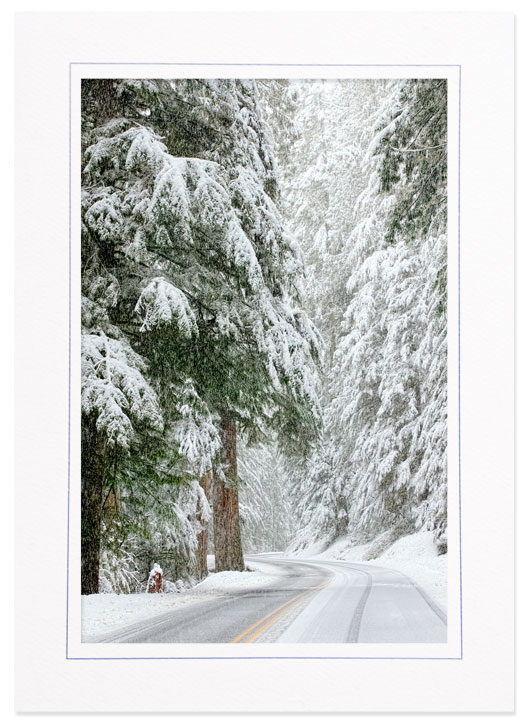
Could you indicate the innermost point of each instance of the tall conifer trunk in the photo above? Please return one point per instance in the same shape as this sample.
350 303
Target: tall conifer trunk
93 462
202 537
226 524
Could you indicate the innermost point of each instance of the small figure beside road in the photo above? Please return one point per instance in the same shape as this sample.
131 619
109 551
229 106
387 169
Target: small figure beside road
155 580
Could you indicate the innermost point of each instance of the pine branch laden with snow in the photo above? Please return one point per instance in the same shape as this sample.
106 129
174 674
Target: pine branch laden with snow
192 199
114 389
119 571
195 431
160 303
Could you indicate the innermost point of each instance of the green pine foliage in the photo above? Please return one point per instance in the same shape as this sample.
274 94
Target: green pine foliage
191 294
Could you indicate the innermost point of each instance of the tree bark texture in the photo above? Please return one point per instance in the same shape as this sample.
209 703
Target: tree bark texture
202 537
226 524
93 462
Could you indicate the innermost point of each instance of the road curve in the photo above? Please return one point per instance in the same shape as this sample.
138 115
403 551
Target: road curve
241 616
367 603
313 601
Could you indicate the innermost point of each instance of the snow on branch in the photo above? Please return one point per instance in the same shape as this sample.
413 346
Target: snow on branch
115 390
161 303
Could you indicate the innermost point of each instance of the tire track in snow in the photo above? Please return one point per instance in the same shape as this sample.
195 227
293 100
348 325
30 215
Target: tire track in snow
355 624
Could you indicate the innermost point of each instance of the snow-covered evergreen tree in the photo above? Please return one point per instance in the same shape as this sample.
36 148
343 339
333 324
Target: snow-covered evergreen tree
188 266
267 518
366 193
393 357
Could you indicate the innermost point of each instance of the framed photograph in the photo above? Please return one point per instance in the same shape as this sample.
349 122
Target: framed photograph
270 444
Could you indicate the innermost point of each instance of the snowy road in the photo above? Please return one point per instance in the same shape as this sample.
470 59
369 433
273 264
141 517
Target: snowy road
313 601
365 603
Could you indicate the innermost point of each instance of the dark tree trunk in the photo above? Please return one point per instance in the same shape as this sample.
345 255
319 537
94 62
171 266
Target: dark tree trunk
93 462
226 524
202 538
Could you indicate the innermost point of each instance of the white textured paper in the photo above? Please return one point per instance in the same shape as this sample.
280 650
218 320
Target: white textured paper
474 670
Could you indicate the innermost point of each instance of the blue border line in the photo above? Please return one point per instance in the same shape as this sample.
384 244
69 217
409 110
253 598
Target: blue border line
267 657
280 65
69 380
459 367
285 65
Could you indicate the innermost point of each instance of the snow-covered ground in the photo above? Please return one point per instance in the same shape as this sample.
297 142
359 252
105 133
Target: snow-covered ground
413 555
103 613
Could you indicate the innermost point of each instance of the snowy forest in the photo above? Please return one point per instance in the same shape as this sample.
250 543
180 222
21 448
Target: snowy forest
264 321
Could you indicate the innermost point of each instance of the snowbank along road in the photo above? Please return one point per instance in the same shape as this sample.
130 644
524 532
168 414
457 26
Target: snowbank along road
313 601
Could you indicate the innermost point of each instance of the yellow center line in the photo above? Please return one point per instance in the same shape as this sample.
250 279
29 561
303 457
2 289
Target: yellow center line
260 621
279 611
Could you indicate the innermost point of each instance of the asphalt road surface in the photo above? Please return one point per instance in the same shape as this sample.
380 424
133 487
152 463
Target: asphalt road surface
313 601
